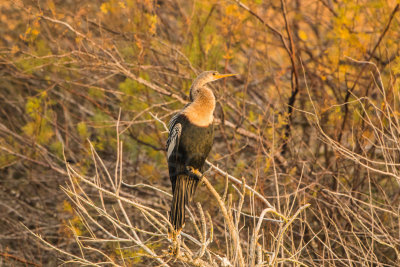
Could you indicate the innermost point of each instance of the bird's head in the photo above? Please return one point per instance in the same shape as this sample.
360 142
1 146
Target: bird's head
210 76
204 78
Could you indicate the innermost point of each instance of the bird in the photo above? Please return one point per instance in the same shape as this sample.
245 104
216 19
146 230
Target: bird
190 139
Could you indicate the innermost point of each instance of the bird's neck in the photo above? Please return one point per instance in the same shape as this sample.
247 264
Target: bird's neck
201 111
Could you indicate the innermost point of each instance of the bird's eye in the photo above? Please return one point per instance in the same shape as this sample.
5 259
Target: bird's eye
214 73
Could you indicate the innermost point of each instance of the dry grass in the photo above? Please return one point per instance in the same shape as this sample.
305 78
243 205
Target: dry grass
103 224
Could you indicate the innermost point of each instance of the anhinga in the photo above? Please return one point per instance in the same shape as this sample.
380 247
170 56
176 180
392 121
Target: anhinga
190 139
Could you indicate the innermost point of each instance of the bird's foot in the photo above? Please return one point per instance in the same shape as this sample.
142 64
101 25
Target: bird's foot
193 172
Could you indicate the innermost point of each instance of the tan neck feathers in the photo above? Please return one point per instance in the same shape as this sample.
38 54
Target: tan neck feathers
200 111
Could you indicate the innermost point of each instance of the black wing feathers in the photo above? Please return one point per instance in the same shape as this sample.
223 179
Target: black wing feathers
175 130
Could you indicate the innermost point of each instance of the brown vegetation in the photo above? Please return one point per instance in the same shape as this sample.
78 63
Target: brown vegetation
305 168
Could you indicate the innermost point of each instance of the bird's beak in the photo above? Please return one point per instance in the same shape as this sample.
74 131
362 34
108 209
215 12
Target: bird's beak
219 76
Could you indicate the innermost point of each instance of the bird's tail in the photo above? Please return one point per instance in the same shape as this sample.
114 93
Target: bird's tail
185 187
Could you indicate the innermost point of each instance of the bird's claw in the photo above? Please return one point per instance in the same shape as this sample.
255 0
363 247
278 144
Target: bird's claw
194 172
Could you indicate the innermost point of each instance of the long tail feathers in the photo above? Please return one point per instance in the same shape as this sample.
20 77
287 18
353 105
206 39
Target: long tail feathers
185 187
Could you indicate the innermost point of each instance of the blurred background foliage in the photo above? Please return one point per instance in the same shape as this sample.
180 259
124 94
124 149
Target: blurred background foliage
69 68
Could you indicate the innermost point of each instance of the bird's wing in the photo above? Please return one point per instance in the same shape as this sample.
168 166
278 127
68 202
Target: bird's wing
175 130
